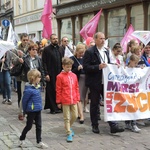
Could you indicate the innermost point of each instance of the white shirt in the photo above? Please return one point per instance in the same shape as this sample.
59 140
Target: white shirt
103 58
103 55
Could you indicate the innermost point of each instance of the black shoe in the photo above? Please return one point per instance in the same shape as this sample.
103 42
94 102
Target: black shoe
95 129
81 121
58 111
116 129
52 112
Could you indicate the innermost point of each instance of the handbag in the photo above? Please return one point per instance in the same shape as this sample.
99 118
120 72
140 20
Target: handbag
16 70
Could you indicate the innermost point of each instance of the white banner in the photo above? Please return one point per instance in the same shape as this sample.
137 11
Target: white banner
126 93
143 36
5 46
67 52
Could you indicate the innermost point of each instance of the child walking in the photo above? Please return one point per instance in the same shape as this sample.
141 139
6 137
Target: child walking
67 95
32 106
131 125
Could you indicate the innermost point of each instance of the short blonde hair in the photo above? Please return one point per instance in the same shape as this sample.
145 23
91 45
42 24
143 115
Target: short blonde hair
134 57
32 75
134 49
67 61
80 47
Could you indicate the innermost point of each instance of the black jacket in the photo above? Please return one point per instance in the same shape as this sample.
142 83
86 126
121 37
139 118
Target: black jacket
91 61
37 63
75 65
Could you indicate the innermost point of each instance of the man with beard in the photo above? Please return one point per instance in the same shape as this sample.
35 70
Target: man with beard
52 66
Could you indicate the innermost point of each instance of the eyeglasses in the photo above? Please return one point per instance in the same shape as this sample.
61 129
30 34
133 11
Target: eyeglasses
34 49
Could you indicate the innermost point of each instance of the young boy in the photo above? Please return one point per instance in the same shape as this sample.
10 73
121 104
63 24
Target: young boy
32 106
67 95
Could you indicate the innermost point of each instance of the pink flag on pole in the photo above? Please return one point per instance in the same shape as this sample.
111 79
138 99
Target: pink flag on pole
46 19
127 38
90 28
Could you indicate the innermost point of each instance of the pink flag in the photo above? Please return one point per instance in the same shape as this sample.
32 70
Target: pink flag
90 28
46 19
127 38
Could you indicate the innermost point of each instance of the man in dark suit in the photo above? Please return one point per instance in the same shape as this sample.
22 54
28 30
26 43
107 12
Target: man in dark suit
95 59
51 59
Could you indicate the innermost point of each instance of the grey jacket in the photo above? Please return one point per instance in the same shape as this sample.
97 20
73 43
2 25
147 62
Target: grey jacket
36 64
7 62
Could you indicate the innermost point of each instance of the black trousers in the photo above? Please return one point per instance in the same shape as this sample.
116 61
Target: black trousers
38 123
94 105
19 92
50 97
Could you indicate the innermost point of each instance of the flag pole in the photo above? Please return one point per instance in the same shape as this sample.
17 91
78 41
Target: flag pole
2 64
76 60
74 56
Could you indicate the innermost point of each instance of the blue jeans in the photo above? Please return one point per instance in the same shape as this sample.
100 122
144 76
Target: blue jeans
5 84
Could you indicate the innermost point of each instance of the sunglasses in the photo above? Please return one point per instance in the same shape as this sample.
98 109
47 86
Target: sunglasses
25 40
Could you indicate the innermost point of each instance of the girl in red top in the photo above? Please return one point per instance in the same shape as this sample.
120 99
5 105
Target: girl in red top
67 95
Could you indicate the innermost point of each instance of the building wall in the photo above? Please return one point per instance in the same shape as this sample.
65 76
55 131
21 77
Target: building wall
27 14
6 13
114 20
149 17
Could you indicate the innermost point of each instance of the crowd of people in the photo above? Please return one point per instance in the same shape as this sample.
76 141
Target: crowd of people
69 82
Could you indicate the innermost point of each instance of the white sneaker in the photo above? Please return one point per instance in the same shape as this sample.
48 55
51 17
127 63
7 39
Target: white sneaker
4 101
135 128
86 110
22 144
9 102
42 145
128 126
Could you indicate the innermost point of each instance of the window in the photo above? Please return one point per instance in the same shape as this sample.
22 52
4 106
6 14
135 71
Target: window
77 30
35 4
116 25
86 19
137 17
66 28
101 23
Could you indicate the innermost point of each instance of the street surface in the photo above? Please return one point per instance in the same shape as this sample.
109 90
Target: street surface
53 133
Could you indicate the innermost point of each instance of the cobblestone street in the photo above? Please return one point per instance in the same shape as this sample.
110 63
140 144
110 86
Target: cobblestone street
53 133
